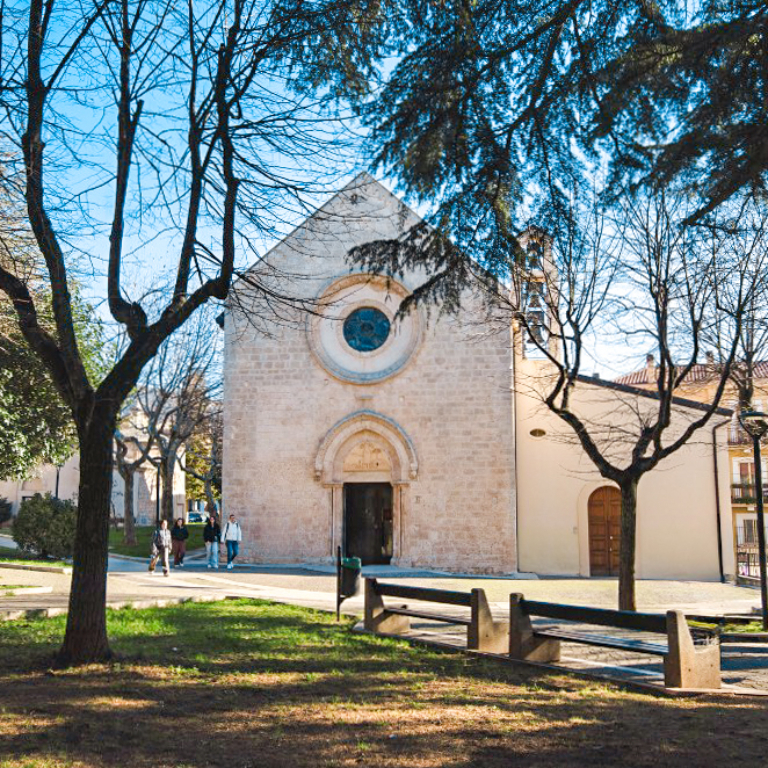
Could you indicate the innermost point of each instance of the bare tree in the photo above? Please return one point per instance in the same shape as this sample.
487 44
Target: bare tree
204 455
622 284
127 469
741 229
642 281
181 391
153 135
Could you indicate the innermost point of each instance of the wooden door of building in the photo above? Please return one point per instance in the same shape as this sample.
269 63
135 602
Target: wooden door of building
604 531
368 522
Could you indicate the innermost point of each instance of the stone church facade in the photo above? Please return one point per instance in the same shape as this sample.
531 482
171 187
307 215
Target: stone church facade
344 427
410 442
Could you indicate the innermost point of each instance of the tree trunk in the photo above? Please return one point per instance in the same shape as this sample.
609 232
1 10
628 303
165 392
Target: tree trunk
167 466
627 548
129 523
85 639
210 498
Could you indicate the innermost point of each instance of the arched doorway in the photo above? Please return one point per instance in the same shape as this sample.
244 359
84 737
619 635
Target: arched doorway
367 531
368 522
368 461
604 511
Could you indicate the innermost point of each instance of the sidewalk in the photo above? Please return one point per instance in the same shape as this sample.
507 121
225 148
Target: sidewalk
129 582
129 577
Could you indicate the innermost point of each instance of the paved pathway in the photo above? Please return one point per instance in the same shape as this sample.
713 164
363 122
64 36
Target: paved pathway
743 665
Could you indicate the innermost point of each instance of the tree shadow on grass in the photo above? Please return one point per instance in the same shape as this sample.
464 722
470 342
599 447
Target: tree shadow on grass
118 718
253 684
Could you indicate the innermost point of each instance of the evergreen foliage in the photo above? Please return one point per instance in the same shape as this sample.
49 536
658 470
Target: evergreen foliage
36 425
500 112
46 526
596 121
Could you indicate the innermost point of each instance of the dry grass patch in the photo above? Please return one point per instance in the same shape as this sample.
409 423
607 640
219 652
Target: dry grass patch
246 684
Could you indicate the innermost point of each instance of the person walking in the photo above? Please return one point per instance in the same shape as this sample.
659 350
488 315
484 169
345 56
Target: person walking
161 546
179 536
212 539
232 536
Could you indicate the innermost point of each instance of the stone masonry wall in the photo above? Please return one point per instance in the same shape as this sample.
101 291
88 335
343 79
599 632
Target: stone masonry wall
452 398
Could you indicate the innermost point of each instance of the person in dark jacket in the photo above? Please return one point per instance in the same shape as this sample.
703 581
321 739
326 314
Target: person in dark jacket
212 539
179 536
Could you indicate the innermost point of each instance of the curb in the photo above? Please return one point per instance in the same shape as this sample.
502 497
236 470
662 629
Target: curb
41 568
21 591
129 557
47 613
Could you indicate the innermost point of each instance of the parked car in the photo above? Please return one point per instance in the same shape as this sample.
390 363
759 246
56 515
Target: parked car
194 517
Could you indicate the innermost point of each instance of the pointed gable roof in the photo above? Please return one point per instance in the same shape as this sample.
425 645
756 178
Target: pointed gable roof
337 208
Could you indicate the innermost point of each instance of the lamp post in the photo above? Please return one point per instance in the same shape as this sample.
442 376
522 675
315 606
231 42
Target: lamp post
58 470
756 424
157 495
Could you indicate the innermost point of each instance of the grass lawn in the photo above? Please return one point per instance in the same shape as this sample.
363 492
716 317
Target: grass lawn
247 684
26 558
144 540
753 626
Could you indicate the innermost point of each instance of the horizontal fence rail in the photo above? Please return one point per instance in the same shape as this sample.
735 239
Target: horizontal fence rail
424 593
646 622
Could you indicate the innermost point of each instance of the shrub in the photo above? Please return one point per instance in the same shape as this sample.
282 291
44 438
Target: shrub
5 510
46 526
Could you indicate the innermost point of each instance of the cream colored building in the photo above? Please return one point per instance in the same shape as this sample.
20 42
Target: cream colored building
682 504
415 442
65 481
700 385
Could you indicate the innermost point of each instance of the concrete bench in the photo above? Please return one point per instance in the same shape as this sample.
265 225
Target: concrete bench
691 659
483 633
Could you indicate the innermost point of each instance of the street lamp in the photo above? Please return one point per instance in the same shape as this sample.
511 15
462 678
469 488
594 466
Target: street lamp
58 470
756 424
157 495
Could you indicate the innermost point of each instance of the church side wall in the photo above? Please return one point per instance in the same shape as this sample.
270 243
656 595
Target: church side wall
677 521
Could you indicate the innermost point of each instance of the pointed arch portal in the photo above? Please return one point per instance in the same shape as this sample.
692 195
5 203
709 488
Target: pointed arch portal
368 461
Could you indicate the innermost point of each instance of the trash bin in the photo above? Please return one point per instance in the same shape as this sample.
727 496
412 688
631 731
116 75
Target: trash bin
351 568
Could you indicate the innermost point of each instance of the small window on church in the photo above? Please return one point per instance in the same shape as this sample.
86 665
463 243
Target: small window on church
366 329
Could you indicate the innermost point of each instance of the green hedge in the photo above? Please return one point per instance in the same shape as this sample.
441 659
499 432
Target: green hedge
46 526
5 510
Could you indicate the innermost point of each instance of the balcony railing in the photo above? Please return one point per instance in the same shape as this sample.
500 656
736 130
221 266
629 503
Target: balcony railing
738 436
746 493
747 557
748 564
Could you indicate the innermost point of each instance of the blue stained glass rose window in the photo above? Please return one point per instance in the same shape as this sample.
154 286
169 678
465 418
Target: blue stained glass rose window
366 329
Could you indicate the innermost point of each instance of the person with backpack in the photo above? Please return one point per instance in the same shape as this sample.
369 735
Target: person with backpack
212 539
232 537
161 546
179 536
